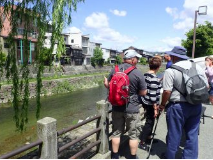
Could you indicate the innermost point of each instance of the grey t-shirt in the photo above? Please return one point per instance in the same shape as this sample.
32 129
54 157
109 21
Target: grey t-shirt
173 77
137 83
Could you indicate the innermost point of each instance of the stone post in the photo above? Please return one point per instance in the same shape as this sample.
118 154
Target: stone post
102 109
46 130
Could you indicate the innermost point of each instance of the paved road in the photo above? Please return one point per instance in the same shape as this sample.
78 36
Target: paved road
205 139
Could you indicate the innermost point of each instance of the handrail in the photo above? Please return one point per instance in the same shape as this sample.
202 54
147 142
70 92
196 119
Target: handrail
77 125
85 149
20 150
79 139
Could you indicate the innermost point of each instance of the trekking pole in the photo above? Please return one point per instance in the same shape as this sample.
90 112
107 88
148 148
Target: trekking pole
153 134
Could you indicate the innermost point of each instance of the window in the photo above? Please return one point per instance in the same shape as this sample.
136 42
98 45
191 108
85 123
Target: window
6 45
32 46
78 61
34 34
20 31
72 40
19 44
88 61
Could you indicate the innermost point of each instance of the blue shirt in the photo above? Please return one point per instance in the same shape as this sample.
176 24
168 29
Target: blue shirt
169 64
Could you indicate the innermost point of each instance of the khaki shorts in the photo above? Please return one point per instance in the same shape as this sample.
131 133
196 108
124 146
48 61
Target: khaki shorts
120 120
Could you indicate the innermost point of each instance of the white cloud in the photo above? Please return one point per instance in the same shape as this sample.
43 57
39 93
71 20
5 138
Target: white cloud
118 13
96 20
108 34
72 30
171 42
185 25
184 20
99 22
173 12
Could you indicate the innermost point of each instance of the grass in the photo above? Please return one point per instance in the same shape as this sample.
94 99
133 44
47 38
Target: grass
58 77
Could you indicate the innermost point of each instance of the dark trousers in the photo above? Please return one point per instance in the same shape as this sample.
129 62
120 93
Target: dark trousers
179 117
150 120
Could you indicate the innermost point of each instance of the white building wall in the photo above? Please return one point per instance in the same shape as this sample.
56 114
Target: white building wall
92 46
47 42
106 53
75 39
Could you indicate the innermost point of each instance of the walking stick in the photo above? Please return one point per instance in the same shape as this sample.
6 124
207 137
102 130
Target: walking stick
153 135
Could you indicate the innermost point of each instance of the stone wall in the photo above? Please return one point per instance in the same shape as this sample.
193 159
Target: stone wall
55 86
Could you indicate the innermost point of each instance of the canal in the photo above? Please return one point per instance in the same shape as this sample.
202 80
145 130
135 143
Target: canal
66 108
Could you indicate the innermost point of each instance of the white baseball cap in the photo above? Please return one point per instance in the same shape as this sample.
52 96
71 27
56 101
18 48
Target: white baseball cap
130 53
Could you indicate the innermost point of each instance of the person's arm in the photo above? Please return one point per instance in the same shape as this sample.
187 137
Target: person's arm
168 83
209 70
106 83
107 80
143 92
155 106
165 97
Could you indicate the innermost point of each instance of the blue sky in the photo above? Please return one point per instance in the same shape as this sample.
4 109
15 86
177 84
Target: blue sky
152 25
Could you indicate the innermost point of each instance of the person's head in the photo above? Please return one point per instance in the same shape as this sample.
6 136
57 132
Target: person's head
131 57
178 53
155 63
210 60
167 57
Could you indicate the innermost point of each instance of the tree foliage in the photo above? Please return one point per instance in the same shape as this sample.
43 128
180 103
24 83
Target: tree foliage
204 40
98 57
42 15
143 61
118 59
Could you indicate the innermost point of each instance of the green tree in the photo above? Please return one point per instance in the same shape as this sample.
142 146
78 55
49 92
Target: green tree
43 16
93 61
47 57
143 61
98 56
204 40
118 60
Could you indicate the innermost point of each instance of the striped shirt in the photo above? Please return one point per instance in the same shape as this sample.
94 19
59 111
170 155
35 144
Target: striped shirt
153 89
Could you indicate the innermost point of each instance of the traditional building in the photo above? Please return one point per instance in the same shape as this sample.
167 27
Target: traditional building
31 33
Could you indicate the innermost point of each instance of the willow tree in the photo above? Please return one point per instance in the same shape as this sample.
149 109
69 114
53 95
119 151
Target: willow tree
44 14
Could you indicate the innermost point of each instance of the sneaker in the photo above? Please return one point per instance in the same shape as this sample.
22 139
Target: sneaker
143 146
114 156
133 157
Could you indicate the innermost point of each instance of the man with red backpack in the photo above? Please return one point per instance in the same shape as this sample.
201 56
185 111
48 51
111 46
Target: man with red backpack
126 91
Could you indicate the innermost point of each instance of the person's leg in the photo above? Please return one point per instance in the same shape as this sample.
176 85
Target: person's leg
175 122
147 129
118 124
131 123
191 129
211 100
211 95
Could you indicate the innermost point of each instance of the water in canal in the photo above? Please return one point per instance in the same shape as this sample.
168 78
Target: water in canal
66 108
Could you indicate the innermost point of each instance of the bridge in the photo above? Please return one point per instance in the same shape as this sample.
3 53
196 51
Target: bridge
99 147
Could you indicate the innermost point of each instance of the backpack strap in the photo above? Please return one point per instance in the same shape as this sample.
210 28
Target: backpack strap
116 68
181 70
178 68
128 70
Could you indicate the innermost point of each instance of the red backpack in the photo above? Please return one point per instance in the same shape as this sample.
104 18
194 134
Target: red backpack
119 87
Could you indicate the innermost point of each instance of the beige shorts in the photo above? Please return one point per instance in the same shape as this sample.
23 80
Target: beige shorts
122 121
